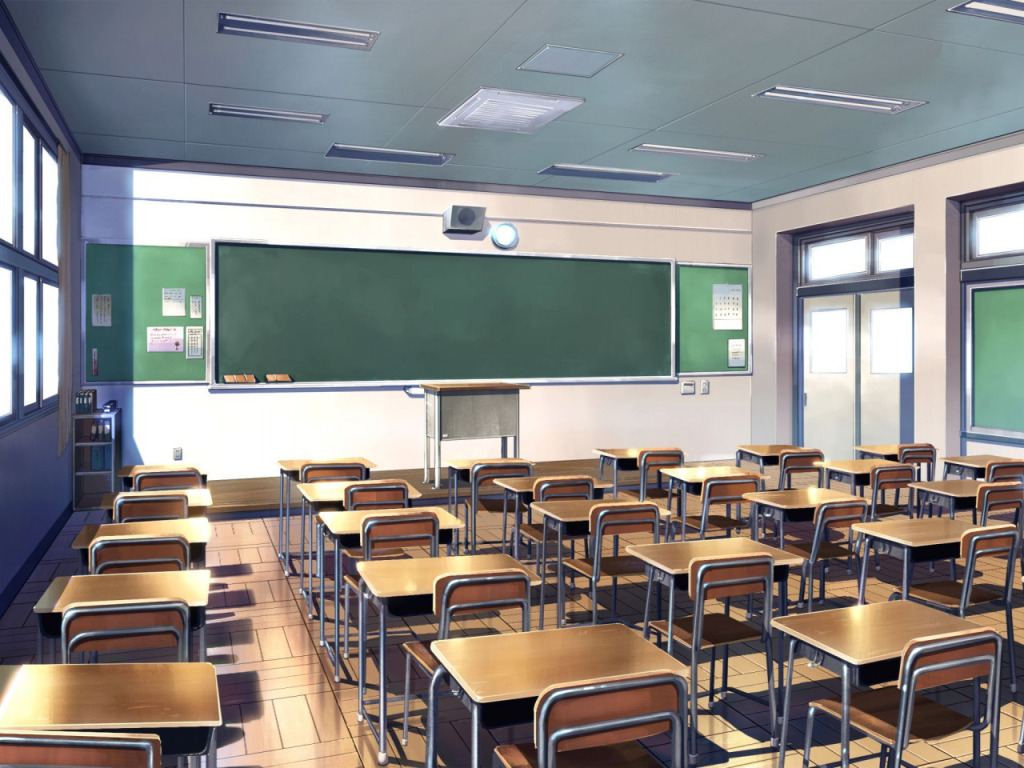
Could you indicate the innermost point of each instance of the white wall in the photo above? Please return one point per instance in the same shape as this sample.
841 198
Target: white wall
243 434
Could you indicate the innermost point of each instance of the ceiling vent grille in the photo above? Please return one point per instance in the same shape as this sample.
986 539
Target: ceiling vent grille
493 109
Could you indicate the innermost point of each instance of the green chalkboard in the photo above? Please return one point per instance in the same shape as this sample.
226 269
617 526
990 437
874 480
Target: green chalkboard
702 347
996 333
340 315
134 277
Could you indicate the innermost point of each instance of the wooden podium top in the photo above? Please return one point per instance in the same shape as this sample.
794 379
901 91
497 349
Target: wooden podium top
470 386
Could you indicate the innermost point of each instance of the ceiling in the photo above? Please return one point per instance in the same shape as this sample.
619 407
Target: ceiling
135 80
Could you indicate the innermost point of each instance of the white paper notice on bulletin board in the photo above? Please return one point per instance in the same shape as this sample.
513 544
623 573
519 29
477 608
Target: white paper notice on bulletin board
174 302
101 310
165 339
737 353
194 342
727 307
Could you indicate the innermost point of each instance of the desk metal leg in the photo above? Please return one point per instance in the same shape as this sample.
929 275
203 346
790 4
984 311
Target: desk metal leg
360 704
543 570
302 558
844 724
863 578
474 737
435 682
287 538
382 751
504 447
320 570
908 570
785 704
560 613
280 517
337 608
437 443
615 478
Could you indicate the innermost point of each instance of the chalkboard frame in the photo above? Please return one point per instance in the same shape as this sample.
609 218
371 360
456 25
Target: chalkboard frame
407 384
747 333
86 318
970 428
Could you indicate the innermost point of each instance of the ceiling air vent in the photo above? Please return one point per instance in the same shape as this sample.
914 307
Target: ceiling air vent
492 109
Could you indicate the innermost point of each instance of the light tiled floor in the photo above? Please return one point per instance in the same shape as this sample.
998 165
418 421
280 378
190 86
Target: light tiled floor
281 706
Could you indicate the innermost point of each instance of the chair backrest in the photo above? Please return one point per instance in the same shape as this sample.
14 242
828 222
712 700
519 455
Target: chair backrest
609 711
564 488
1004 470
797 462
138 554
718 577
125 625
891 478
386 532
946 659
839 514
729 490
377 494
623 517
484 473
458 594
999 498
655 458
321 471
163 507
921 455
61 749
990 541
181 478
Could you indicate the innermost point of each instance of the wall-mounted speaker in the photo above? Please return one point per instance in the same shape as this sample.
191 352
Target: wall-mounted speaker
464 219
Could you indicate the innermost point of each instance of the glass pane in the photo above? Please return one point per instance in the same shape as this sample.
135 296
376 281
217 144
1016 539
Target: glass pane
828 340
30 341
28 191
1000 232
50 183
836 258
51 359
894 252
6 170
6 342
892 340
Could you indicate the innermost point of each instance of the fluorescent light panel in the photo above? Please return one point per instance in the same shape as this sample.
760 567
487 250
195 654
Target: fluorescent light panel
1000 10
265 113
608 174
715 154
380 154
296 31
563 60
860 101
494 109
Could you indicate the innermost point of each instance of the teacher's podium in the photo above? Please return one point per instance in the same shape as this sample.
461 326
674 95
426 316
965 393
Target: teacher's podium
469 410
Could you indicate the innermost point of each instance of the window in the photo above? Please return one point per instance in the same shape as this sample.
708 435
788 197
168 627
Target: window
996 231
857 253
48 207
894 251
50 358
6 342
28 191
837 258
30 342
6 170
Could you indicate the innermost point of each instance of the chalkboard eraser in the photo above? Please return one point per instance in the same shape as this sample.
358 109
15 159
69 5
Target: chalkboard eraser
239 378
278 378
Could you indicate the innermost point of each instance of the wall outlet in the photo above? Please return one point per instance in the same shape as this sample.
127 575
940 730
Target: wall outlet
705 387
688 387
177 454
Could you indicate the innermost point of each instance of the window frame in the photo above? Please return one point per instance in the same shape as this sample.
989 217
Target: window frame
971 212
872 231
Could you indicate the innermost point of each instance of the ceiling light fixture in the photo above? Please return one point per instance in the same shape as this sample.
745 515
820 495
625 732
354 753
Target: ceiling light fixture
563 60
716 154
608 174
296 31
380 154
840 99
494 109
1001 10
265 113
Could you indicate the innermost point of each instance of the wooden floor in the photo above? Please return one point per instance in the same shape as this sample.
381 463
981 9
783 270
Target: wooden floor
281 706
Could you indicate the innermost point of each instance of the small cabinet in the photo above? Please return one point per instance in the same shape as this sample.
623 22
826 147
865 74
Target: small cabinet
97 456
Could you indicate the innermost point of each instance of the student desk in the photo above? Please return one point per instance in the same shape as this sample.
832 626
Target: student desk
691 479
763 455
625 459
795 506
567 518
863 644
178 702
193 587
345 530
324 496
500 676
199 499
291 472
462 470
857 472
969 467
195 531
919 540
128 472
521 491
889 452
468 410
952 495
406 588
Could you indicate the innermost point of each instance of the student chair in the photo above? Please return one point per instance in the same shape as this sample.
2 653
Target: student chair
481 481
921 456
996 542
656 459
156 507
999 499
125 625
138 554
457 594
176 480
897 715
564 488
722 578
894 478
721 492
800 462
95 749
1005 471
599 722
611 520
829 517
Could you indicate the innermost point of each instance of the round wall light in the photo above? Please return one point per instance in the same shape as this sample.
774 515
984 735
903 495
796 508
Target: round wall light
505 235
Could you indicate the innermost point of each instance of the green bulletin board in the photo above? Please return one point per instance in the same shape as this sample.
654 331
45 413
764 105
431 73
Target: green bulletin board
134 277
708 329
996 359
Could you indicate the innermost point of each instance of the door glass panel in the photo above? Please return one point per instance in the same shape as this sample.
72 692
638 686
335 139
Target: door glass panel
829 374
828 340
892 340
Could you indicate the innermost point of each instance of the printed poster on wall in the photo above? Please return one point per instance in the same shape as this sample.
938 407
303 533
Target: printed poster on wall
165 339
101 310
727 307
